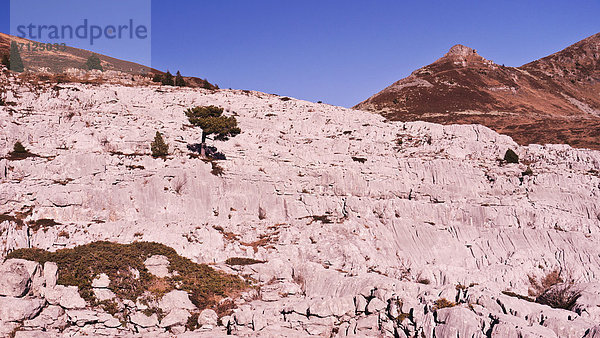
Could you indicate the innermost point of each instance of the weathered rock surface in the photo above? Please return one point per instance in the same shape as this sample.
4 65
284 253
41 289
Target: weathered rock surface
363 224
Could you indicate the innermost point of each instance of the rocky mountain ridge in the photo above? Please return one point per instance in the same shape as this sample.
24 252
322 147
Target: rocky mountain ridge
360 226
552 100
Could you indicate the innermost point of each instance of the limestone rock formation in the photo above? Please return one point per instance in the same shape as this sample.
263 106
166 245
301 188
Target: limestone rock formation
354 225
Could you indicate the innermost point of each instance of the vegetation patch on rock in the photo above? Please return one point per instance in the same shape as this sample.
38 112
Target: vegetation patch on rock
129 277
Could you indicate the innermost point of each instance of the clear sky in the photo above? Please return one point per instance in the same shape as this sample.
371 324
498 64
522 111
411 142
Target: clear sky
343 51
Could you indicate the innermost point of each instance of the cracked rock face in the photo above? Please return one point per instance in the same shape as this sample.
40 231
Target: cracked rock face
360 226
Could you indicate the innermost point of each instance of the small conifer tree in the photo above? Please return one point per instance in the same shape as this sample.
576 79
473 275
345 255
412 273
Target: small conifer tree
157 78
16 63
179 81
167 80
158 147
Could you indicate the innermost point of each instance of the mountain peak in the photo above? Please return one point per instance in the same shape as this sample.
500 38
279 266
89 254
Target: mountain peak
461 51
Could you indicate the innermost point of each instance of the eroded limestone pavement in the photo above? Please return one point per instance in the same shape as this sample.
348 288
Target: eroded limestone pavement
362 224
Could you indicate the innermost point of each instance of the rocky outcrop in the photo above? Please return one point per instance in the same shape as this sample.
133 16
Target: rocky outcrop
356 226
551 100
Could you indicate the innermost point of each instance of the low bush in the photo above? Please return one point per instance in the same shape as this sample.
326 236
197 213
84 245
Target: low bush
158 147
443 303
511 157
42 224
129 278
242 261
561 296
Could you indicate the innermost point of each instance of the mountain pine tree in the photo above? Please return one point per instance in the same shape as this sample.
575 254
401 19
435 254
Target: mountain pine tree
158 147
179 81
210 119
167 80
16 63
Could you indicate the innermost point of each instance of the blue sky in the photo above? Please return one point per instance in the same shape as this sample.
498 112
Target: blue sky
341 52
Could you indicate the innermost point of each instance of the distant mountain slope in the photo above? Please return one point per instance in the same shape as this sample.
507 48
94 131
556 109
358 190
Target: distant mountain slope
552 100
59 61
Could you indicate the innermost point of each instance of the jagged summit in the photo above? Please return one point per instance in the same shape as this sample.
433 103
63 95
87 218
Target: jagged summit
461 51
555 99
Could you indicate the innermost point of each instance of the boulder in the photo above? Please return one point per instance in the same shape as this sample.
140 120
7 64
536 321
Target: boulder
65 296
17 309
158 265
176 299
176 317
101 281
458 321
104 294
208 317
376 305
15 278
82 317
49 317
144 321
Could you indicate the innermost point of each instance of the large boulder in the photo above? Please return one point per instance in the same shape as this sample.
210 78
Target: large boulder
17 309
176 299
65 296
208 317
144 321
15 277
176 317
158 265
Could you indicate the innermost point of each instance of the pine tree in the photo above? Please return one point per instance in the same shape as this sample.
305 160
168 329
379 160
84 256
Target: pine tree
179 81
212 121
93 62
158 147
167 80
16 63
157 78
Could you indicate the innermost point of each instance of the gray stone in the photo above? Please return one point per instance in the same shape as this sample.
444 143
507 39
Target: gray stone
50 274
144 321
101 281
208 317
376 305
17 309
82 317
65 296
14 278
176 317
158 265
176 299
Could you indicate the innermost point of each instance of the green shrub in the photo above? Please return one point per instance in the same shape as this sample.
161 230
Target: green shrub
157 78
167 79
242 261
93 62
179 81
15 60
80 265
158 147
511 157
